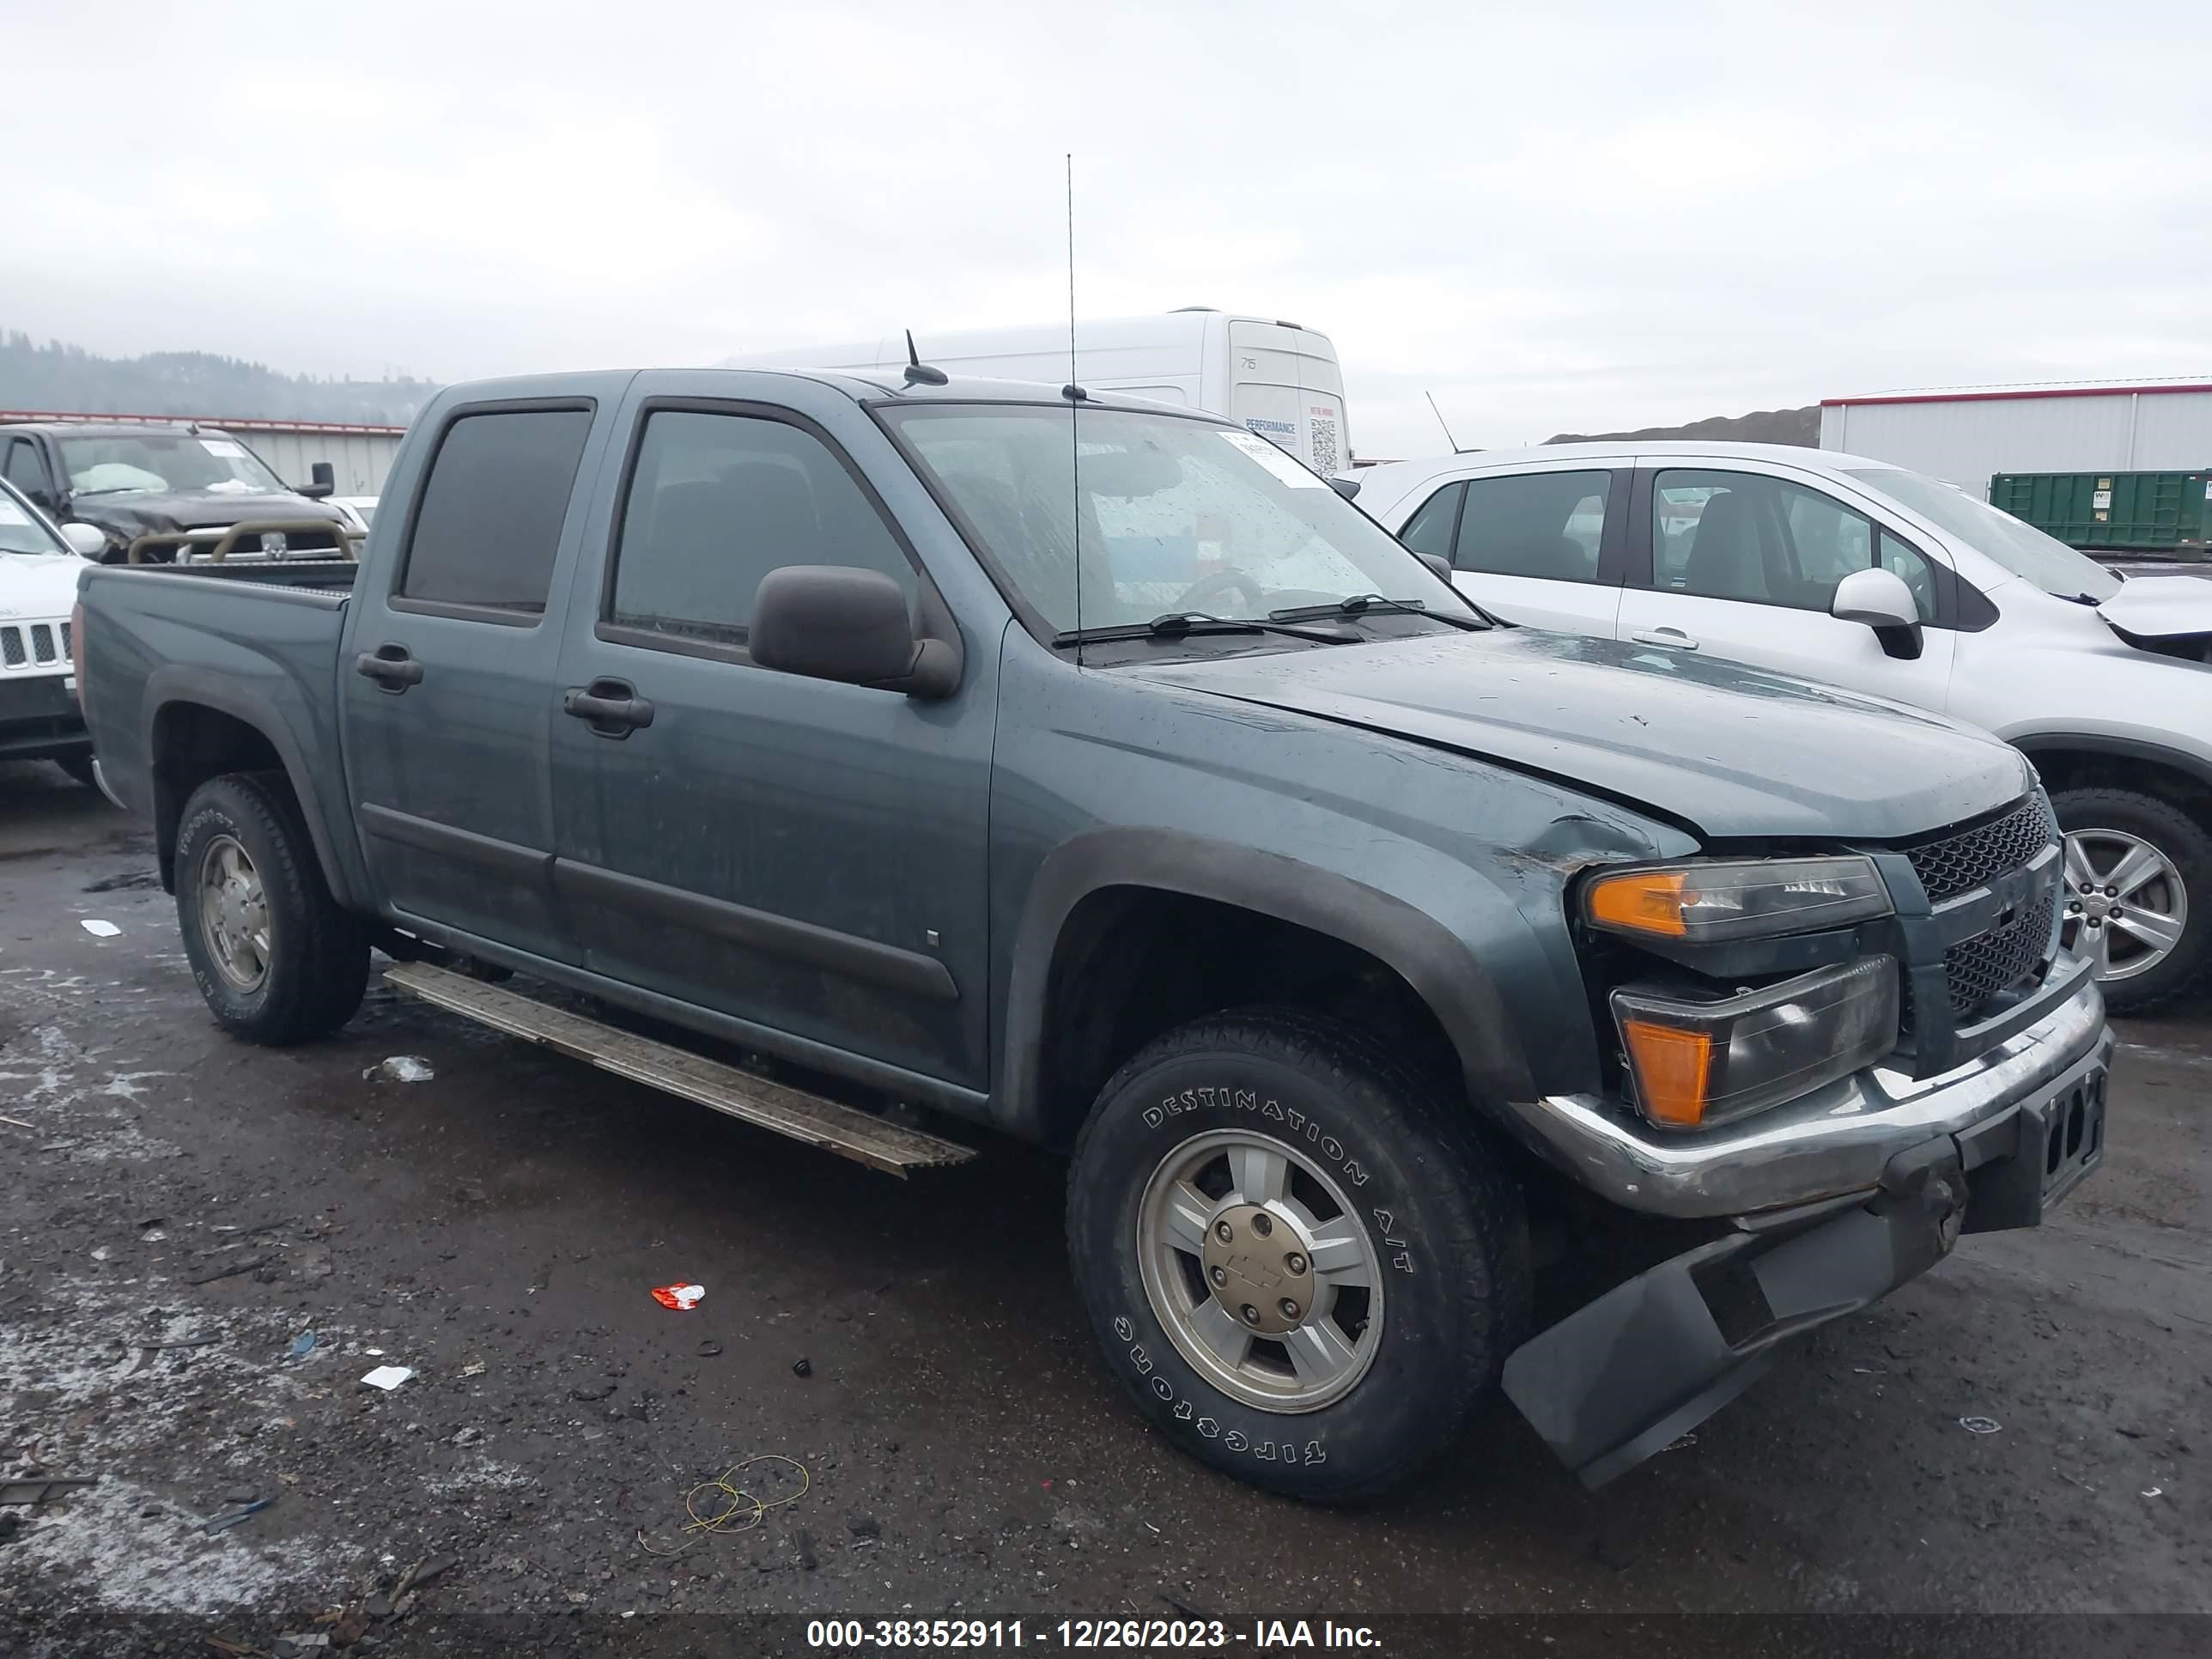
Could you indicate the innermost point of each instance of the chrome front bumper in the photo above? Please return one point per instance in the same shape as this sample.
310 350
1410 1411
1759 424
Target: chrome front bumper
1830 1145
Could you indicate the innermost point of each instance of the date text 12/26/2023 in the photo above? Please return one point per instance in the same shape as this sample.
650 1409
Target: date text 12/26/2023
1086 1633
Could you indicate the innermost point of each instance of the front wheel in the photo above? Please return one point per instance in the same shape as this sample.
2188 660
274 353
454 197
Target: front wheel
2138 899
276 958
1299 1255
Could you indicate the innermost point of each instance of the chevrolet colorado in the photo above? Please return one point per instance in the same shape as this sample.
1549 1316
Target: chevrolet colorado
1089 770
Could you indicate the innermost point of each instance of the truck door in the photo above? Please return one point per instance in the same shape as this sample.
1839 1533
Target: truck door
447 682
803 856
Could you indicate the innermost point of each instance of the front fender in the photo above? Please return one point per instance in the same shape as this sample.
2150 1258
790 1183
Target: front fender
1445 971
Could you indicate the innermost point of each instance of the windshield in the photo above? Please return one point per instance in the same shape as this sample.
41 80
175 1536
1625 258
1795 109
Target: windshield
20 530
2019 547
167 461
1173 515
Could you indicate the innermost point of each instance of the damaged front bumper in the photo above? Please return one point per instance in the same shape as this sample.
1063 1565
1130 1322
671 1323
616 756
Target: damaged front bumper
1837 1201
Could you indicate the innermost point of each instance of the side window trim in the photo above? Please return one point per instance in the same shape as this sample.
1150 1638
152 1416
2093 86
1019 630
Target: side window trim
1612 550
396 600
1642 548
933 615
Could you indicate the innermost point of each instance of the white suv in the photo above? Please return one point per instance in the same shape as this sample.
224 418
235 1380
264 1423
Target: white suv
40 719
1864 575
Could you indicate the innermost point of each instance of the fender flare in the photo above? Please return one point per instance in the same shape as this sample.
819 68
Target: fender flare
2033 743
167 687
1443 971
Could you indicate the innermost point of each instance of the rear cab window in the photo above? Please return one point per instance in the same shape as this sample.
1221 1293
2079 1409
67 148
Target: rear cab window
488 525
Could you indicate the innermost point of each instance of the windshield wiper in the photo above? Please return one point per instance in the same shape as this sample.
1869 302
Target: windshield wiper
1181 624
119 489
1360 605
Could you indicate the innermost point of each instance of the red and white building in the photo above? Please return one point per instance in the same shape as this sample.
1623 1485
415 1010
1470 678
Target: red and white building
1966 435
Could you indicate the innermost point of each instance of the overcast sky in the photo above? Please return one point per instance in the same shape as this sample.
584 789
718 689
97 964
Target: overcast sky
1578 217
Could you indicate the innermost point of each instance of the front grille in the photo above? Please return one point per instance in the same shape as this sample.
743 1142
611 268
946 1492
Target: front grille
1976 970
1958 864
33 645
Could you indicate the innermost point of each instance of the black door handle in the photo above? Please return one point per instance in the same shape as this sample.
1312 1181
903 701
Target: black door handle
390 666
611 708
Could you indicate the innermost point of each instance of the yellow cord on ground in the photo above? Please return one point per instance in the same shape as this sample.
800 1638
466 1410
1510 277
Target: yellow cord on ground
742 1512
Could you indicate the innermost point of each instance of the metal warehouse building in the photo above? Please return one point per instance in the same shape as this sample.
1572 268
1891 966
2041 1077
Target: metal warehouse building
1967 435
358 455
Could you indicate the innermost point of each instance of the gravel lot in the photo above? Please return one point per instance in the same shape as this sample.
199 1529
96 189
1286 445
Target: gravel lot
182 1210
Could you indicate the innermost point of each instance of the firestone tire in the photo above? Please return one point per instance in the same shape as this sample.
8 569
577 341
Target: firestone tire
1418 1196
277 961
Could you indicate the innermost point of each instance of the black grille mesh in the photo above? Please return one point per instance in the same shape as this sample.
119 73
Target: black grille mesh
1977 969
1960 863
11 647
42 641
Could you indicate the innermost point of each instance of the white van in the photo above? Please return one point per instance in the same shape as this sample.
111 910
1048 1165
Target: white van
1279 380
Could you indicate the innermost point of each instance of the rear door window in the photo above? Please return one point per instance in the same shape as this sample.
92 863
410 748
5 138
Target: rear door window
493 504
1547 525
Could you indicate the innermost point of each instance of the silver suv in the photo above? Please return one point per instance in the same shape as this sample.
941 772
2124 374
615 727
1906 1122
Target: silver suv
1867 575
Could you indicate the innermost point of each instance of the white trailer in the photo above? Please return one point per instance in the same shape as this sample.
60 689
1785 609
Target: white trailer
1966 436
1280 380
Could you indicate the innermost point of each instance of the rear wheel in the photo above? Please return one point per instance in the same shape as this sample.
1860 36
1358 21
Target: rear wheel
1300 1258
277 959
2138 899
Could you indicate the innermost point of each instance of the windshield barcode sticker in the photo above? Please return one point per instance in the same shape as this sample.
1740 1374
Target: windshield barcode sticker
1275 460
226 448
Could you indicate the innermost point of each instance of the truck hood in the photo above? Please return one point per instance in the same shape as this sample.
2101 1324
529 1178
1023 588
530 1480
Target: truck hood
1729 750
143 512
38 586
2160 607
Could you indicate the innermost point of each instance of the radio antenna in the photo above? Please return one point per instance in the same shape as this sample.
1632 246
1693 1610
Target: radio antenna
1440 414
1074 392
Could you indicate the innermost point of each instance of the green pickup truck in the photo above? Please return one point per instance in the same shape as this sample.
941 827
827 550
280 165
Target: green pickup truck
1090 771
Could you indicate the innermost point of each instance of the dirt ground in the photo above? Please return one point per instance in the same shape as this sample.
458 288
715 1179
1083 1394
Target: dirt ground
183 1212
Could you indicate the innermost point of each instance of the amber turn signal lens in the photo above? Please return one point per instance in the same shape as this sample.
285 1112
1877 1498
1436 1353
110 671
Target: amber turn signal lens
1644 901
1673 1067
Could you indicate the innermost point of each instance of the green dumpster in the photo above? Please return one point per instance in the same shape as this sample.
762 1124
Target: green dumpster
2154 512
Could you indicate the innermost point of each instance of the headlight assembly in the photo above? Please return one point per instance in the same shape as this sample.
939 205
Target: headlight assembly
1696 1064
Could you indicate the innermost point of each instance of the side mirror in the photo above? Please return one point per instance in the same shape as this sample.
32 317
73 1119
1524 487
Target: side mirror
1881 600
1438 563
834 622
324 481
1347 488
88 539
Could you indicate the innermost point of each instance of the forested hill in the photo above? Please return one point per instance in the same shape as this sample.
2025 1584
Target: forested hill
69 378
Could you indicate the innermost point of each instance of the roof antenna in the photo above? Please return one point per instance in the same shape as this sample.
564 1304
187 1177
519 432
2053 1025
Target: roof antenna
1440 414
1075 394
917 372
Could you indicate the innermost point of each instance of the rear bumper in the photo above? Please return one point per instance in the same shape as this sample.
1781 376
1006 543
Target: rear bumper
1831 1144
1620 1378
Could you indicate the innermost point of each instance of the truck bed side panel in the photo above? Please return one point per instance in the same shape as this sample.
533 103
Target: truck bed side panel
265 655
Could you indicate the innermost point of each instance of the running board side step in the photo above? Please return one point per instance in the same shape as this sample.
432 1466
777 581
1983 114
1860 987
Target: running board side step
810 1118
